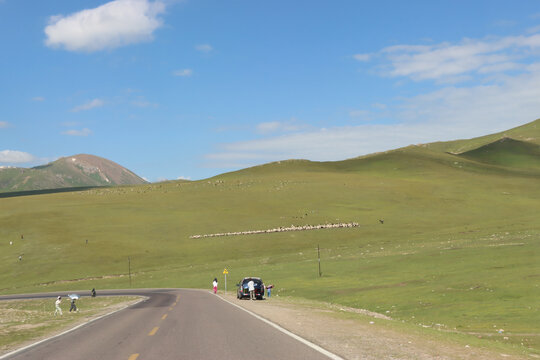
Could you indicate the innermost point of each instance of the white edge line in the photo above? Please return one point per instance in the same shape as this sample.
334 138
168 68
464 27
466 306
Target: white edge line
68 331
287 332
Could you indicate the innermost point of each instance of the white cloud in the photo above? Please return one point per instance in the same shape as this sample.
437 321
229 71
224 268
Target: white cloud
183 178
533 29
363 57
15 157
4 124
89 105
278 126
505 94
504 23
141 102
144 104
452 63
324 144
70 123
73 132
183 72
38 98
480 109
446 114
359 113
205 48
114 24
379 106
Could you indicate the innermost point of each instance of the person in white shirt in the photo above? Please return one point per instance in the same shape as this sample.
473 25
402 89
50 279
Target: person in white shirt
57 305
251 288
214 284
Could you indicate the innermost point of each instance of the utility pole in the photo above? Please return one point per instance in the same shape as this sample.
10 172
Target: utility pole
319 256
129 270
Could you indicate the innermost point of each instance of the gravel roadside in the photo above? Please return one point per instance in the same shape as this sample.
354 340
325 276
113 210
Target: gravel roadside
361 338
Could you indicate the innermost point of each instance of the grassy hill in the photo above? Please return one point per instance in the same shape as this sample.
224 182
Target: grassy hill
458 248
507 152
529 132
74 171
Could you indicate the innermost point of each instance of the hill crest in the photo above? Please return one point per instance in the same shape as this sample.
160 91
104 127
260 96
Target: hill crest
80 170
507 152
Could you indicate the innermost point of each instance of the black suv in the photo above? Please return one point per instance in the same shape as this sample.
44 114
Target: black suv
243 290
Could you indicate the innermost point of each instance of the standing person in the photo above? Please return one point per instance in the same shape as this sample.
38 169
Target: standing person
251 288
73 306
269 289
57 306
214 284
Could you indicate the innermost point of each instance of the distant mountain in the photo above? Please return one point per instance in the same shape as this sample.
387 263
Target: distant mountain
74 171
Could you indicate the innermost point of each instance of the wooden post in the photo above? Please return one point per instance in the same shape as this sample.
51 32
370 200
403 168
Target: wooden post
319 256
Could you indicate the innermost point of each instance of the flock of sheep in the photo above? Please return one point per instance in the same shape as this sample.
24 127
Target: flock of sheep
280 229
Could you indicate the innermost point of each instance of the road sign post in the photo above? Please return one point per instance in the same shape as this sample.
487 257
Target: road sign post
225 272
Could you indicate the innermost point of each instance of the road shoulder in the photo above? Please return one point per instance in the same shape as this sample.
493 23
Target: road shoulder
356 335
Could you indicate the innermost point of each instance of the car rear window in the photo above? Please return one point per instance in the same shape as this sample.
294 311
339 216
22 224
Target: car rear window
257 282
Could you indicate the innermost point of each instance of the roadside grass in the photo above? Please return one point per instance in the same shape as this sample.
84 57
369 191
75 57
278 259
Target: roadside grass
22 321
491 342
442 239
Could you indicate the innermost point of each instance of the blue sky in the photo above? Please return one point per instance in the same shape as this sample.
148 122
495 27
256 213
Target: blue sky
191 89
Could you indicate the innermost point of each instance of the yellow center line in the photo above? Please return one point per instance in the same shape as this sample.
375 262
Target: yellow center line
163 317
154 331
133 356
170 308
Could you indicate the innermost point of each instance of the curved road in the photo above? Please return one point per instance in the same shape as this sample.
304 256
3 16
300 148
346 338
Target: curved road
171 324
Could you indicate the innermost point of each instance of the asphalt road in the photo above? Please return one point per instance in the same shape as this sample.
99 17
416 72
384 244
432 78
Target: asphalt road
172 324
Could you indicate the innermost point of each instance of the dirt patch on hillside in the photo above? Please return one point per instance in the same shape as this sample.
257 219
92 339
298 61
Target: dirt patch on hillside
362 338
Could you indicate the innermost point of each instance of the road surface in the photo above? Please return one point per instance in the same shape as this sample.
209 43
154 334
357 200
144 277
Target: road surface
172 324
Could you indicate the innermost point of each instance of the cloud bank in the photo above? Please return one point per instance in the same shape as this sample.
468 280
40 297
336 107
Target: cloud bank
114 24
499 90
15 157
447 62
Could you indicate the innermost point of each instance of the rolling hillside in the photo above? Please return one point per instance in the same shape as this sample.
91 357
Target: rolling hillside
447 240
507 152
529 133
74 171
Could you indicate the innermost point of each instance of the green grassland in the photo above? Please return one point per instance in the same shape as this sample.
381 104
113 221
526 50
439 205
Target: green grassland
458 249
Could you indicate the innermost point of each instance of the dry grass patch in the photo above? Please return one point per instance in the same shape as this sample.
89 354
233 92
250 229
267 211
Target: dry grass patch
25 321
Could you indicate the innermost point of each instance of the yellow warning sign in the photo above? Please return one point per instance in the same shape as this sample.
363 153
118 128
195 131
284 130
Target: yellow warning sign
225 271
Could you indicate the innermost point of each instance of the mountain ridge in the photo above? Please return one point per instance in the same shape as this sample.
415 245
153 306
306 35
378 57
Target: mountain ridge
517 146
516 149
81 170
